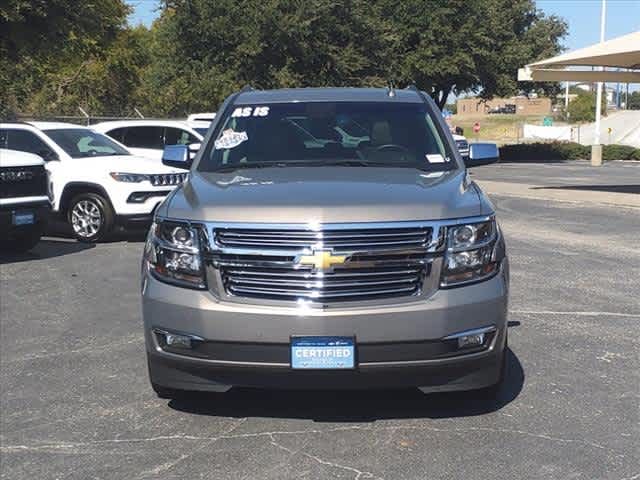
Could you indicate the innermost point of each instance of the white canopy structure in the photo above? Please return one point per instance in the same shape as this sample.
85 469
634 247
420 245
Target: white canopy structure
620 52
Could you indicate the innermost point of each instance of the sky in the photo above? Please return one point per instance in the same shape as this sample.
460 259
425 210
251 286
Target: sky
583 17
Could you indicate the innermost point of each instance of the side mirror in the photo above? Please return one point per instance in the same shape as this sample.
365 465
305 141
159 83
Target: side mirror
48 155
193 149
177 156
482 154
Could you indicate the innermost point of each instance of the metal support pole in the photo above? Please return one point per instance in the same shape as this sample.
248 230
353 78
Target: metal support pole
596 148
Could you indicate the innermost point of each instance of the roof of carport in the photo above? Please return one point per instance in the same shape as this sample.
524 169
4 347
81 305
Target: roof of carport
620 52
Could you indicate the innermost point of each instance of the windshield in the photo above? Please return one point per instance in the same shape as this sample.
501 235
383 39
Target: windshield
329 133
202 131
81 143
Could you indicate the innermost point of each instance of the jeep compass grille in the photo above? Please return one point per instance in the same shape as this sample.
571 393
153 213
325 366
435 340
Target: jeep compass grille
167 179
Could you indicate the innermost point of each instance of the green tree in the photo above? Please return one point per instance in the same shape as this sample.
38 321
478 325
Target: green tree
41 37
457 46
204 50
583 107
634 101
104 84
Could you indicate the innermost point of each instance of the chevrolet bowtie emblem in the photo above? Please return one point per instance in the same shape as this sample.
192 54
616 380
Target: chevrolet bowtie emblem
322 260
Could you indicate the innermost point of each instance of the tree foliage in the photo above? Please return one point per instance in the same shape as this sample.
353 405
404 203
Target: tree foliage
58 55
583 107
634 101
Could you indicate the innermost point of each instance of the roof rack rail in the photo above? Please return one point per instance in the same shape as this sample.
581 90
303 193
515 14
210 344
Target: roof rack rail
247 88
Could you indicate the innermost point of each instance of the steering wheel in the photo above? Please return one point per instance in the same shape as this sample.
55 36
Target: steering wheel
392 146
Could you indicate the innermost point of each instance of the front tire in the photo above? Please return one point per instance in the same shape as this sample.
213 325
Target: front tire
90 216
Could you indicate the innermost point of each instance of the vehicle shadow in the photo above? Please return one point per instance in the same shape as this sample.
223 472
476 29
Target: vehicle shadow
352 406
60 229
47 248
635 189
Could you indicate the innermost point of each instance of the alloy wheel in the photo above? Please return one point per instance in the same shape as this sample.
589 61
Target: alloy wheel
86 218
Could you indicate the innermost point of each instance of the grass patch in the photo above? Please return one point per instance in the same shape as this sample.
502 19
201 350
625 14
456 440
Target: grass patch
497 128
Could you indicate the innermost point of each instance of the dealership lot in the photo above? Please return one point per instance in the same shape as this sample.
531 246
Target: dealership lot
76 404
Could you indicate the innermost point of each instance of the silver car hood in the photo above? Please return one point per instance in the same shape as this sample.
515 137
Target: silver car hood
325 195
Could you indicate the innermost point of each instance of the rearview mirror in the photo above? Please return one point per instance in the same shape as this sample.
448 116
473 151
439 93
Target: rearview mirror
177 156
482 154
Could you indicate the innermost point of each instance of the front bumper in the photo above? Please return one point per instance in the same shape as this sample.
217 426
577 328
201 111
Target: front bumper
40 209
397 345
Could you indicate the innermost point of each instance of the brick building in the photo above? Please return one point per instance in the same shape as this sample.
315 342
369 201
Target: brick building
473 107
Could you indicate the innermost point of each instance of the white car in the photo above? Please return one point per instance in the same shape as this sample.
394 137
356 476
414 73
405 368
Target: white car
96 183
24 200
200 122
148 138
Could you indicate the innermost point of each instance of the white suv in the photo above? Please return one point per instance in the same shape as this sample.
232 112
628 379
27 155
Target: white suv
96 183
148 138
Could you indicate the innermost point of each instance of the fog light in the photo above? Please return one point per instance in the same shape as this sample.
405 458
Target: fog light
176 340
179 341
471 340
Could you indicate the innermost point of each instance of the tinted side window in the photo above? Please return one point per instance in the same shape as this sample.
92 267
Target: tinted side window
177 136
118 134
24 141
144 137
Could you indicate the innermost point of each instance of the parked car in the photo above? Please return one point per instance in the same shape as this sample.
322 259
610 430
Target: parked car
463 145
24 200
96 182
200 122
285 263
148 138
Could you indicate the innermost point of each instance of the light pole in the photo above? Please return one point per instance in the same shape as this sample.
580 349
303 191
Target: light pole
596 148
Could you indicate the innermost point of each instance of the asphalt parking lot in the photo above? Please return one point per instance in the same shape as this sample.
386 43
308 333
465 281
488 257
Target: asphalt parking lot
75 402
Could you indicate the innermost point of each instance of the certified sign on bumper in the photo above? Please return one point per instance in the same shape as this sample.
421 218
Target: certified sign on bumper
322 353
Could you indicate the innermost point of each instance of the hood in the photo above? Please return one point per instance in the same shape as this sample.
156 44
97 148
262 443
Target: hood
324 195
131 164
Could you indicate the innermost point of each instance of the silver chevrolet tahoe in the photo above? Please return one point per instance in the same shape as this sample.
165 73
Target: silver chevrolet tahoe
326 238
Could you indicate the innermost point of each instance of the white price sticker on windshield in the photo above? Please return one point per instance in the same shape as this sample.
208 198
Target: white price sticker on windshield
435 158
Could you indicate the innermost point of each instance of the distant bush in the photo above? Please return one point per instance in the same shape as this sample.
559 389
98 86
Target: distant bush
554 151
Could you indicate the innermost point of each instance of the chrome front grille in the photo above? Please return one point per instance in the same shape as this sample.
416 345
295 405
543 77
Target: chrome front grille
374 261
338 240
164 179
342 284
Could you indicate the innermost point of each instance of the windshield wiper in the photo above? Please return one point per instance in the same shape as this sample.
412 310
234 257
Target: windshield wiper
238 166
366 163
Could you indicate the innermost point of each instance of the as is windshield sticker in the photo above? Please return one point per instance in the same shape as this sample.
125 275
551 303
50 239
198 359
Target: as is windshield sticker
230 139
250 112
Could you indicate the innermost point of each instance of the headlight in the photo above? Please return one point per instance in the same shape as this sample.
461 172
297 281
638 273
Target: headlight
129 177
173 254
471 253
